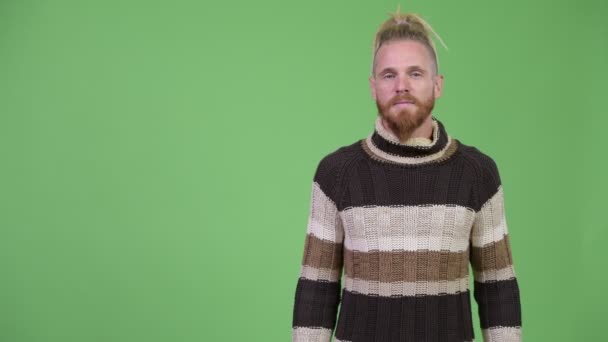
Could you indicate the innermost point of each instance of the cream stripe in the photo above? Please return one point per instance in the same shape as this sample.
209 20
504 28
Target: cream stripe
314 273
406 243
408 228
323 219
408 160
502 334
302 334
336 340
505 273
490 222
401 288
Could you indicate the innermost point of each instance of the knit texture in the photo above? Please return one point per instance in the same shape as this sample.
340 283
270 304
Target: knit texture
392 230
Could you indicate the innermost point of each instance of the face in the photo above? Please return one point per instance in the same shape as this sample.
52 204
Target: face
404 85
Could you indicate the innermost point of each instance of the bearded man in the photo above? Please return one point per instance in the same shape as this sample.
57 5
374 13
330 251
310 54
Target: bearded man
398 216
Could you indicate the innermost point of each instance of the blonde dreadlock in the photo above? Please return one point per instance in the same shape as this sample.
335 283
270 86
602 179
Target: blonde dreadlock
406 26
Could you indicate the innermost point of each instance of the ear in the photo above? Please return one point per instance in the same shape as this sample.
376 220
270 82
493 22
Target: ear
438 85
372 86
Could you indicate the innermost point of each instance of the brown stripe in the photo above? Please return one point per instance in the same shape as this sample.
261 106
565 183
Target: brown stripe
493 256
320 253
406 266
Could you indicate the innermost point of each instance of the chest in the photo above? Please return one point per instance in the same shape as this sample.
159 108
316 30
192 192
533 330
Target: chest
390 208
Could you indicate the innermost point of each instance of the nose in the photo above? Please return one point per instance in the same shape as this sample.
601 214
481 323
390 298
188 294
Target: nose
403 85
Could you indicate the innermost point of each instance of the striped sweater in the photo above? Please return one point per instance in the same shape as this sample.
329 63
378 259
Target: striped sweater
391 232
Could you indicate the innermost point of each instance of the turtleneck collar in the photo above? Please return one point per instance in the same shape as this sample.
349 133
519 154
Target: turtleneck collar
385 146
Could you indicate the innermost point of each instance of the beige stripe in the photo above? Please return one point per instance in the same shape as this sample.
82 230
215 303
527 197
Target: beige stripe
429 227
401 288
301 334
492 275
406 266
317 274
336 340
323 219
490 223
502 334
444 153
493 256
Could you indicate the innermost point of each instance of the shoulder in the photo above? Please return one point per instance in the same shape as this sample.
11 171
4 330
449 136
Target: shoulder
332 166
482 163
485 168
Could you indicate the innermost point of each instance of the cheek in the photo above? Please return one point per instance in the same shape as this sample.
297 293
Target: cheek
384 93
428 88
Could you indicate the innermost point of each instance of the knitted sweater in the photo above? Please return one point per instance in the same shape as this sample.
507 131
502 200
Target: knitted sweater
404 221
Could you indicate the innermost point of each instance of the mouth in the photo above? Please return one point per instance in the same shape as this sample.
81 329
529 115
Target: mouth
404 103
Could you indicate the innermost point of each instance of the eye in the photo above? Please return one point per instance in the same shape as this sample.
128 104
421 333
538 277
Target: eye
389 76
417 74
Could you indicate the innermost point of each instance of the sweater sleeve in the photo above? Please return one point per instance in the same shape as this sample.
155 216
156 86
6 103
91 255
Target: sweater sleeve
496 290
317 293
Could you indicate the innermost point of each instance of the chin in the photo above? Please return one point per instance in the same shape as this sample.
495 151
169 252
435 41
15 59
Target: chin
401 114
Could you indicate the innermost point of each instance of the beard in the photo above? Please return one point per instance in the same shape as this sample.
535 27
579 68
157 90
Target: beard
406 120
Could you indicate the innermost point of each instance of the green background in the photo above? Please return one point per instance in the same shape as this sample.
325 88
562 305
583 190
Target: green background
157 157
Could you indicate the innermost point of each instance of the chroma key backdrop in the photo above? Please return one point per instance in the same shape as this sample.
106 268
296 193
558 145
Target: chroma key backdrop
157 156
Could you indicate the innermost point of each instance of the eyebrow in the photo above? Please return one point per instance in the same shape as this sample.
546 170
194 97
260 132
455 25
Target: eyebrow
411 68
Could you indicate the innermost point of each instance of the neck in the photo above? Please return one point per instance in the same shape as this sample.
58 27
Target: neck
382 144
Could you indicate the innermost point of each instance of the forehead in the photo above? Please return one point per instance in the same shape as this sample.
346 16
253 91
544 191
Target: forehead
402 53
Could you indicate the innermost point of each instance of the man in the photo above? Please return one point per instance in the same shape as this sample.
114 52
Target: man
404 212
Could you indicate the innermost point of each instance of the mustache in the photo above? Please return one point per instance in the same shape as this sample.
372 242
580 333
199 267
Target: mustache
400 98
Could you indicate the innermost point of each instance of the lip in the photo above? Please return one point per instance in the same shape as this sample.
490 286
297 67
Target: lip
404 102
